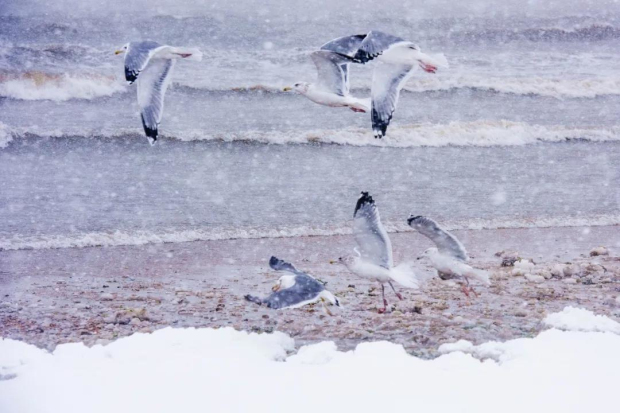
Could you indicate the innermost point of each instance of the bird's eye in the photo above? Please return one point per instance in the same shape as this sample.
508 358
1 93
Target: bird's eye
297 84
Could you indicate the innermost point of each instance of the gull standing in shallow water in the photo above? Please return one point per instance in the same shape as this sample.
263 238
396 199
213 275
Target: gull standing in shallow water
296 290
151 64
449 258
332 85
375 262
396 60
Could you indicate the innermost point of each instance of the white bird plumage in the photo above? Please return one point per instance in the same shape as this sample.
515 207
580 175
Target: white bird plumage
374 261
449 258
151 64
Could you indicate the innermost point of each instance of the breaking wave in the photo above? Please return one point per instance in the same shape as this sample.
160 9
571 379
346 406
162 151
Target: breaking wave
127 238
58 87
481 133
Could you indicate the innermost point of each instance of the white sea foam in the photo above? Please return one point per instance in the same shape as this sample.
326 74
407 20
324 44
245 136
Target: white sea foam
42 86
5 135
482 133
551 87
120 238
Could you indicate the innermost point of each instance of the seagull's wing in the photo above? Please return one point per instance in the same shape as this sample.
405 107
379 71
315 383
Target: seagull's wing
305 290
281 265
152 87
348 46
446 242
375 44
137 57
330 74
369 233
387 81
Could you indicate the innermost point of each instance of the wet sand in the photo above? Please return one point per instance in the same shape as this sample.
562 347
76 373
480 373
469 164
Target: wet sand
95 295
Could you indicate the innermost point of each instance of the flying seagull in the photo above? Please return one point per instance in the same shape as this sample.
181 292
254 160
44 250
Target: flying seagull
295 290
396 60
332 85
449 258
151 64
374 260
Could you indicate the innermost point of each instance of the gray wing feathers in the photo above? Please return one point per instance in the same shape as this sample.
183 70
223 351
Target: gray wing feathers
347 45
152 87
306 288
446 243
387 81
374 44
370 234
331 76
137 57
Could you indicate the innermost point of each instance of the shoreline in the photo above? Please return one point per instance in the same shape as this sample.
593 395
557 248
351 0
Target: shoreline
95 295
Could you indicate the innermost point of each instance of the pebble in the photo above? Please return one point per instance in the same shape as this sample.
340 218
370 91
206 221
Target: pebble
135 321
571 269
557 271
535 278
106 297
595 252
569 281
546 274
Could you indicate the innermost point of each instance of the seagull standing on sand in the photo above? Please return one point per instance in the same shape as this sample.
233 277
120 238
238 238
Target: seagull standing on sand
295 290
396 60
449 258
151 64
375 262
332 85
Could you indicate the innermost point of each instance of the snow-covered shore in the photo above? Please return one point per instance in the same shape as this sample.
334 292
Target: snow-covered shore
224 370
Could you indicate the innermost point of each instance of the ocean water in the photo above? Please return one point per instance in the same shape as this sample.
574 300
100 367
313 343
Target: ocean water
522 130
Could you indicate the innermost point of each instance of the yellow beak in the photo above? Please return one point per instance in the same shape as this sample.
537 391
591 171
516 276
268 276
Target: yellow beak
332 262
286 89
119 52
275 288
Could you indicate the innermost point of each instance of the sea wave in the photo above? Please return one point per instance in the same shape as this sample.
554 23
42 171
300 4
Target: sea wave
58 87
141 237
482 133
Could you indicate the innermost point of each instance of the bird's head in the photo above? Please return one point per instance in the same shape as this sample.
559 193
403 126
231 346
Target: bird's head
347 260
300 87
429 64
122 49
429 253
286 281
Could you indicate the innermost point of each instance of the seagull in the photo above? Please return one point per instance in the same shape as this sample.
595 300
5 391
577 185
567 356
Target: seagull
449 258
375 261
396 60
152 63
296 290
332 85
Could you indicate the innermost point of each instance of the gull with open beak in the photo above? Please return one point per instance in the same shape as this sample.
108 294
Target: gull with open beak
295 290
396 60
151 64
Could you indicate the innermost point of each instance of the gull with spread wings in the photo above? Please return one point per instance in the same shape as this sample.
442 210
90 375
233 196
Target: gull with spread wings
374 259
332 85
151 64
449 258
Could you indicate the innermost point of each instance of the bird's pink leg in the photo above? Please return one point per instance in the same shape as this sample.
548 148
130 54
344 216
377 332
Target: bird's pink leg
385 303
400 297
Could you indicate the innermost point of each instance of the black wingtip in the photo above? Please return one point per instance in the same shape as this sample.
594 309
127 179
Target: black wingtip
130 76
253 299
379 125
151 133
274 261
411 219
363 200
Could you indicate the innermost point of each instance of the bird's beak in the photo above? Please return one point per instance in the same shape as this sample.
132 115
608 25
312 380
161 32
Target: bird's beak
119 52
419 258
427 67
332 262
275 288
287 89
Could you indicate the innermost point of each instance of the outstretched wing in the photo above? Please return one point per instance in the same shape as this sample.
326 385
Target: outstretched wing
281 265
387 81
369 233
446 243
137 57
347 46
331 75
375 44
152 87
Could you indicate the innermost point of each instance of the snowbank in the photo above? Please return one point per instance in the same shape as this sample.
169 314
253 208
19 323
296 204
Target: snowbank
187 370
578 319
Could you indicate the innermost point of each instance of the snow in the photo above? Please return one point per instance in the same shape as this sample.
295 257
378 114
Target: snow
223 370
578 319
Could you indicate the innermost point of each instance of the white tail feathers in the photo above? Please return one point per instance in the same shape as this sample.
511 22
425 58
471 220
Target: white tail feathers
405 275
188 53
480 275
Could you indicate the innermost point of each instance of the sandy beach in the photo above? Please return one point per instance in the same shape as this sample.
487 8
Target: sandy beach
98 294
